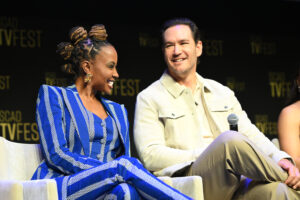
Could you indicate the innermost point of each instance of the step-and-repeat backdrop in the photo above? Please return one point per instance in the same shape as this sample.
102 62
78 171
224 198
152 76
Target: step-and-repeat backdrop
257 66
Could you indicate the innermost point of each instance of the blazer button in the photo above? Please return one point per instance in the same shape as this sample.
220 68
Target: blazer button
102 123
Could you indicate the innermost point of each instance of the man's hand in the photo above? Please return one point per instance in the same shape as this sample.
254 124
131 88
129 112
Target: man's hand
293 179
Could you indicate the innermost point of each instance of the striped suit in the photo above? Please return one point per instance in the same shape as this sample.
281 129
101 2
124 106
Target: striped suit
89 157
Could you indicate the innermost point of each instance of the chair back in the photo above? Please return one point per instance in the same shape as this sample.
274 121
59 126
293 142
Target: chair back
18 161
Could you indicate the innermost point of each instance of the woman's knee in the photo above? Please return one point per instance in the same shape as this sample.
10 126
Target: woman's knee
123 191
129 160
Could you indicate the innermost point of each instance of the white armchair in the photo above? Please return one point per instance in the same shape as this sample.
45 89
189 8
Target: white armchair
18 161
189 185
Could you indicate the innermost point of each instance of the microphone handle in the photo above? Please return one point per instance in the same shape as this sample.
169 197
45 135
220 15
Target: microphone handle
233 127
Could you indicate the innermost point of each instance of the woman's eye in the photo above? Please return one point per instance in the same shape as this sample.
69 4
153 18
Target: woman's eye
111 66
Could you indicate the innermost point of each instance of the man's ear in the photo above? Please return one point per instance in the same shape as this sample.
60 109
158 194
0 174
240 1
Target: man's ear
199 48
86 66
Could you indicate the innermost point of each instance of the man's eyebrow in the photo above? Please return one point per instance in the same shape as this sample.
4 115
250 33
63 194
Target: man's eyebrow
183 40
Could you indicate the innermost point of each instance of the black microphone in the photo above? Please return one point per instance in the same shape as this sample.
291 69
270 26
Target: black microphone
233 122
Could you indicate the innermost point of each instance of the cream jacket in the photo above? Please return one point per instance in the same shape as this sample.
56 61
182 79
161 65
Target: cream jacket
166 131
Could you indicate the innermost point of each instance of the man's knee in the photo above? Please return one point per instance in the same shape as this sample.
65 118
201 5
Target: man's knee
259 190
232 138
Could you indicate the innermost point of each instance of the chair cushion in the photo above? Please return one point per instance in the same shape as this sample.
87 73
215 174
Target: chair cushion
188 185
18 161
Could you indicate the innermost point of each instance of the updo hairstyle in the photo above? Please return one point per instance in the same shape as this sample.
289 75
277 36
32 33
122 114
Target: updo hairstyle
83 45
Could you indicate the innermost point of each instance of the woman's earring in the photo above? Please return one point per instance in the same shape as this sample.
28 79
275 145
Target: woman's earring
88 78
298 89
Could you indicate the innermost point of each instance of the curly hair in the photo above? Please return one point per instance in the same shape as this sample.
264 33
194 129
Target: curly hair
83 45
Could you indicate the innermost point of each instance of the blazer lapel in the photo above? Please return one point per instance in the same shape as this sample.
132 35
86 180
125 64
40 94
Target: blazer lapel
78 115
111 110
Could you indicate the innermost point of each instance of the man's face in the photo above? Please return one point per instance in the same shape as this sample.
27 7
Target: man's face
181 51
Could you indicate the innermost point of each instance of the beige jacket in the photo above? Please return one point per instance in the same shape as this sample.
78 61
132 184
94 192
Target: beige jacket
166 131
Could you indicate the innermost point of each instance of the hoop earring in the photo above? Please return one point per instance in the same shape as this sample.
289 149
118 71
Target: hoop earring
88 78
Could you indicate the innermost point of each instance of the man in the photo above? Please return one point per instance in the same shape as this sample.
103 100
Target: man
180 129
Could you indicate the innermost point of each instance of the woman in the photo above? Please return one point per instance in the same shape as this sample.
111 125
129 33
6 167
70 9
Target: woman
289 123
85 137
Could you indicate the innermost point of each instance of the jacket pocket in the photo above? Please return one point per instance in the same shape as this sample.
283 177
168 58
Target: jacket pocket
170 113
220 107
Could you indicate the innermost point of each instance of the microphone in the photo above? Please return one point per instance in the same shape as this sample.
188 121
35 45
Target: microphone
233 122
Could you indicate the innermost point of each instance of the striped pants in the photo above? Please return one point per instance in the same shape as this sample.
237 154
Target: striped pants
123 178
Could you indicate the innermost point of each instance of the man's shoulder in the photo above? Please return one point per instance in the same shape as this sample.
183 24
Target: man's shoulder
216 87
155 87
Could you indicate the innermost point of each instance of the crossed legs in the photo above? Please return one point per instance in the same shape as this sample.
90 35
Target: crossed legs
232 155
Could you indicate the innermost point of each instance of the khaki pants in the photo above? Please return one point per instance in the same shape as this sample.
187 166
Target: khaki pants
232 155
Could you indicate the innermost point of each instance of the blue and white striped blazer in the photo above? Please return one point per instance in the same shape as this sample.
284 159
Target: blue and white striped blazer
64 124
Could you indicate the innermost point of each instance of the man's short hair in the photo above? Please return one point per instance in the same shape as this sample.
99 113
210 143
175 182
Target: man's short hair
182 21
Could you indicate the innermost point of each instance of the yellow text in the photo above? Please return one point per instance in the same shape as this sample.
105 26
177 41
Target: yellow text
238 86
147 40
126 87
213 47
19 131
4 82
260 47
20 38
8 22
279 89
10 116
265 126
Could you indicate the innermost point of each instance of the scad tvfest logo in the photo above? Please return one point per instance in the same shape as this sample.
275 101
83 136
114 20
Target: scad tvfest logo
279 87
13 128
266 126
235 85
4 82
213 47
11 35
260 46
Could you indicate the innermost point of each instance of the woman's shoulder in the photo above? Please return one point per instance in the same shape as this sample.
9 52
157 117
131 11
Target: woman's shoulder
291 112
57 88
50 90
107 101
47 87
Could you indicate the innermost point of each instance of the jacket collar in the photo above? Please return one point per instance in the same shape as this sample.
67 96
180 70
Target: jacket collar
175 89
78 112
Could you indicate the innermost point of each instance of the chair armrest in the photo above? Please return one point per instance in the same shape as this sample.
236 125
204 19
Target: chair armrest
44 189
11 190
40 189
188 185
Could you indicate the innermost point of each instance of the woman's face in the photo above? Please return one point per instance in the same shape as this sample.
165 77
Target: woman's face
104 71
